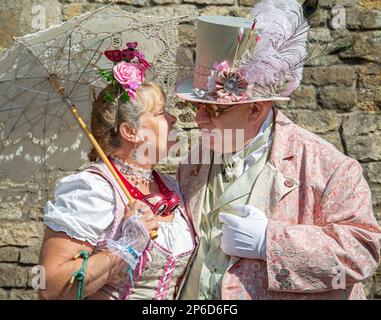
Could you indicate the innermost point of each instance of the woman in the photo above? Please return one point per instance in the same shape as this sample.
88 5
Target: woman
89 213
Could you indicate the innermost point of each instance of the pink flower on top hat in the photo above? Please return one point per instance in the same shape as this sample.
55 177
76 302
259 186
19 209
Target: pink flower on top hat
231 86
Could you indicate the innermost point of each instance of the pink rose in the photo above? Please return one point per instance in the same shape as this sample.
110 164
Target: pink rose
128 74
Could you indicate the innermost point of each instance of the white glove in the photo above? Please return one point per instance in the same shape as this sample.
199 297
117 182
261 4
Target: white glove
244 234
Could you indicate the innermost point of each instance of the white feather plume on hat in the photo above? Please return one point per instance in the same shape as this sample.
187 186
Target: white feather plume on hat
275 65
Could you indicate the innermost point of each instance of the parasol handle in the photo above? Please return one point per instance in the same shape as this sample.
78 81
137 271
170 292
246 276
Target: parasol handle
82 124
74 111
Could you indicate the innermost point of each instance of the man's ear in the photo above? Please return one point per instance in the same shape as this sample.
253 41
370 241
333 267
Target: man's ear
259 111
255 113
128 134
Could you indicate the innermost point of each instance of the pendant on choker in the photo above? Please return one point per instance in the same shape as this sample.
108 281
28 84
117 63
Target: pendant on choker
139 175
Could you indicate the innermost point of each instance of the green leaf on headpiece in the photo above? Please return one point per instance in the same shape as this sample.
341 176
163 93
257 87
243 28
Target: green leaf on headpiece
107 75
109 97
124 97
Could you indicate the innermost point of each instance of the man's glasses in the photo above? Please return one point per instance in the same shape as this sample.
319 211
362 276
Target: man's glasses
212 110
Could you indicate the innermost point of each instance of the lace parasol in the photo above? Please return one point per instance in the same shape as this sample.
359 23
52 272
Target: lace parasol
39 138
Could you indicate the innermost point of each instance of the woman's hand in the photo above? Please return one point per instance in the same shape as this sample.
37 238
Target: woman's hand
144 212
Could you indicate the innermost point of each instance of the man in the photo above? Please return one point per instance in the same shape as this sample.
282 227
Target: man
286 216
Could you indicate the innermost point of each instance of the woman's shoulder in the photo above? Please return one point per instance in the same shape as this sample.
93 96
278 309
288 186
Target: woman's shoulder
85 181
83 207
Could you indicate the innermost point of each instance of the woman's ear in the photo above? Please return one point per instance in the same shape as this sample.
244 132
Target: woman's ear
128 134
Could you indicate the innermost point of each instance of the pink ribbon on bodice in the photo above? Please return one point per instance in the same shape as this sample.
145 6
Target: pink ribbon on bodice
144 258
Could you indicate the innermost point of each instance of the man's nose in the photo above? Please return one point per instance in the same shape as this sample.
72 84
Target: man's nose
202 115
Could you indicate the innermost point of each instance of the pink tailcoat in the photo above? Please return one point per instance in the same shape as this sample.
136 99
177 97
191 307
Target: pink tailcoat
322 235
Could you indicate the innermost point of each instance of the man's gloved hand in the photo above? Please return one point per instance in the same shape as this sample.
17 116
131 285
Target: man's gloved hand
244 234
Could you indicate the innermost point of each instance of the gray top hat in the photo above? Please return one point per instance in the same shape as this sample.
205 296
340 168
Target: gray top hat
237 63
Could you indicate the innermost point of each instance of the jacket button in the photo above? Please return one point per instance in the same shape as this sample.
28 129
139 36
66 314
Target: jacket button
286 284
284 272
289 183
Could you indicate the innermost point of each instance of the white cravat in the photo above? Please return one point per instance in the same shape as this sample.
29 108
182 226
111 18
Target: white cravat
235 166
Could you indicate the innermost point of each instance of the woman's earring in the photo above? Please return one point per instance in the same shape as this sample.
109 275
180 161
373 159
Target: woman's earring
134 154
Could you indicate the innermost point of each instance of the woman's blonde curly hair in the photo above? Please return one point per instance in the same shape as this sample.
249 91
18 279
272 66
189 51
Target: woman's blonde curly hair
103 115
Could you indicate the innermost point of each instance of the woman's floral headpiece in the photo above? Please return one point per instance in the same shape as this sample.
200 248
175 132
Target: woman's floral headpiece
127 74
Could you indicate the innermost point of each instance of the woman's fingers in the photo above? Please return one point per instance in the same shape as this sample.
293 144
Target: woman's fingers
148 217
149 222
136 208
151 226
144 212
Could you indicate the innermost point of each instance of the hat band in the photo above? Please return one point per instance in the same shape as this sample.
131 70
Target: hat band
200 77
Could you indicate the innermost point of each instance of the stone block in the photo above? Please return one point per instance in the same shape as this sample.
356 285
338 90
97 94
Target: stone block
369 75
18 18
187 35
361 123
369 287
30 255
340 98
333 75
365 47
334 138
73 10
21 294
369 4
226 11
320 35
363 19
189 12
9 254
376 197
11 210
315 121
377 284
12 275
332 3
372 172
303 97
161 2
20 234
364 147
210 2
3 294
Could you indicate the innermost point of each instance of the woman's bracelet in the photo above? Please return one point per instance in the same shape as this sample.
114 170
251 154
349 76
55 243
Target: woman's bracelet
79 275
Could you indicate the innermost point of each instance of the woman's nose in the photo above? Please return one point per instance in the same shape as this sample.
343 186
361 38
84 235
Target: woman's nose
172 119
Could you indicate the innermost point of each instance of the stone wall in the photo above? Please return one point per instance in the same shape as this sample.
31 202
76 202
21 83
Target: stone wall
340 100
